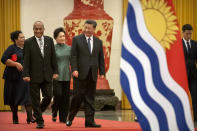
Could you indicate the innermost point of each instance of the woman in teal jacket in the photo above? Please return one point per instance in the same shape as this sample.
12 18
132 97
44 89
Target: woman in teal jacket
61 85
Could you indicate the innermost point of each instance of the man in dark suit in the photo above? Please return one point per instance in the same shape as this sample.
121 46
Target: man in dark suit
87 59
40 66
190 53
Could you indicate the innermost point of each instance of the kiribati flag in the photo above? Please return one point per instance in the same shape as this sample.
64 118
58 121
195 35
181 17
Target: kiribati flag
153 72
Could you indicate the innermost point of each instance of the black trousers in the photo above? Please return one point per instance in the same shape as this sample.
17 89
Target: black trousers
61 99
83 91
40 106
193 90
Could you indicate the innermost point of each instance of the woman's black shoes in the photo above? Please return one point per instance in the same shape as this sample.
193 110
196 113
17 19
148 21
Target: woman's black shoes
15 118
32 120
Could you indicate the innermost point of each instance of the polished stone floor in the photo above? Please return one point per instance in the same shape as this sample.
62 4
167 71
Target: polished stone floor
118 115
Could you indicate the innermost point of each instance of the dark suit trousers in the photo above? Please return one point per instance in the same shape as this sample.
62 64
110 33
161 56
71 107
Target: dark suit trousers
39 107
83 91
61 99
193 90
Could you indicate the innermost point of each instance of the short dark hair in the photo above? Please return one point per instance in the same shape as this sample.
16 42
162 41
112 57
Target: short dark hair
57 31
14 35
92 22
38 22
187 27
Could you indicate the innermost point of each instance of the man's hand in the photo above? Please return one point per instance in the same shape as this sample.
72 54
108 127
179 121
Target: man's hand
19 66
27 79
55 76
102 76
75 74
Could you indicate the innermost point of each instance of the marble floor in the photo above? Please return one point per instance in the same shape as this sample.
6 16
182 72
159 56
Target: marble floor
118 115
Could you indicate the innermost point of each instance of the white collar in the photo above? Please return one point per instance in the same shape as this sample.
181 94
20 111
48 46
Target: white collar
42 38
91 37
185 40
19 46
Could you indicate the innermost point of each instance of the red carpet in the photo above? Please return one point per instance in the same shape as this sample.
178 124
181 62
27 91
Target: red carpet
78 124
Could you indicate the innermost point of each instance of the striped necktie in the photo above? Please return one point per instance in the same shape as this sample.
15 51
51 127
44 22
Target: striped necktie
41 47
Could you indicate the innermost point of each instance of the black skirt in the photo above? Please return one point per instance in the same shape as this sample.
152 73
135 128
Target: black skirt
16 92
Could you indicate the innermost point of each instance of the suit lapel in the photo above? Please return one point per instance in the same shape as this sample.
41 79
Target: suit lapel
85 43
94 45
191 42
184 48
45 46
192 46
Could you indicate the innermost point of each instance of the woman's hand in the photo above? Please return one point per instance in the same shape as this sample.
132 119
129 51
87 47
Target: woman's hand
27 79
75 74
55 76
18 66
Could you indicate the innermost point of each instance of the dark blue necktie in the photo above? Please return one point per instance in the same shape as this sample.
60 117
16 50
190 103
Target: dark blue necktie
188 48
89 45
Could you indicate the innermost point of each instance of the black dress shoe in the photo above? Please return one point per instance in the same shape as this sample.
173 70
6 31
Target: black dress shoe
92 125
15 121
28 121
54 119
40 125
33 120
68 123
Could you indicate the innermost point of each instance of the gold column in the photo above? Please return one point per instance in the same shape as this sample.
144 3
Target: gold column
10 21
125 102
185 12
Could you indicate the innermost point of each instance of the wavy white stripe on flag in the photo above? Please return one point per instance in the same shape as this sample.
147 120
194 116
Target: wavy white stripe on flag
172 85
135 94
152 91
157 88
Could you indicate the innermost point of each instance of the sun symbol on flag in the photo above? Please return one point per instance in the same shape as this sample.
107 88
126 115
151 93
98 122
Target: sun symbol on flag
160 21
